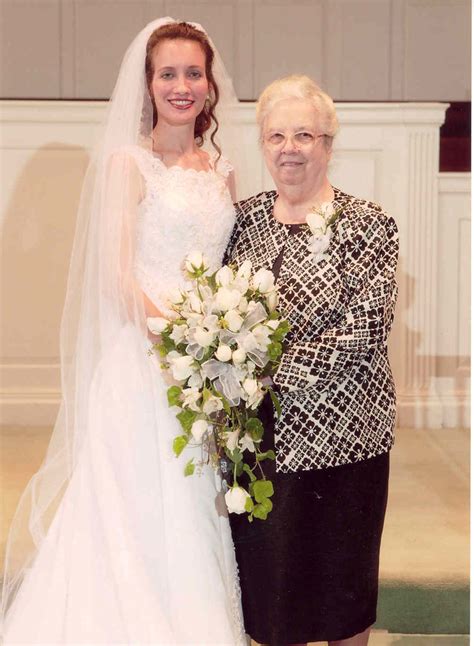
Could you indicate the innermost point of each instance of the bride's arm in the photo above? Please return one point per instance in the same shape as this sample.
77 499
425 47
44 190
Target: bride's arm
126 190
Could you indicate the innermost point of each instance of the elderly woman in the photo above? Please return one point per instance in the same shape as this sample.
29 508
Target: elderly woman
310 571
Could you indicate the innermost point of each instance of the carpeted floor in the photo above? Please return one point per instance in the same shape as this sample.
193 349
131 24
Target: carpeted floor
424 571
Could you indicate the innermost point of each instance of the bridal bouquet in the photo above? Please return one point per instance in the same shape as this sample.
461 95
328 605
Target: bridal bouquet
225 338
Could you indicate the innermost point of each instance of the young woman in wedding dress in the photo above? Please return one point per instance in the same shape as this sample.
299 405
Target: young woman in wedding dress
111 544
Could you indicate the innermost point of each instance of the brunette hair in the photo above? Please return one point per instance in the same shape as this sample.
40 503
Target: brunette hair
185 31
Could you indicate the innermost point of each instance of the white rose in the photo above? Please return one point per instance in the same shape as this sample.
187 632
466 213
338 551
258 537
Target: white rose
263 280
254 400
235 500
245 269
202 336
182 367
212 405
242 284
239 355
157 324
211 323
247 444
273 324
327 209
250 386
227 299
316 222
195 261
272 300
224 352
318 245
243 305
179 333
234 320
231 439
190 398
224 276
176 296
195 380
195 303
262 336
198 429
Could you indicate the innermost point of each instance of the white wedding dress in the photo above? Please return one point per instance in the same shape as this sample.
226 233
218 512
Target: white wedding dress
137 553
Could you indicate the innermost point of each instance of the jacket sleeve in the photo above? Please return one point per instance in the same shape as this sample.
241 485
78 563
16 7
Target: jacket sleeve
371 262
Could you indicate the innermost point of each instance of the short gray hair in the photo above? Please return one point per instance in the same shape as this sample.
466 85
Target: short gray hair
299 87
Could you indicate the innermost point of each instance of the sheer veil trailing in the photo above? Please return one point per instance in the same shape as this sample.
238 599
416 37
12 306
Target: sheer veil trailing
102 296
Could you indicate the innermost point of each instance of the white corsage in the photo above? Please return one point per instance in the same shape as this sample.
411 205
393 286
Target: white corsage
320 221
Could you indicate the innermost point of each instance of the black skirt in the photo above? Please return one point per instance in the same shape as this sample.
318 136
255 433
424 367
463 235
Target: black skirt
310 571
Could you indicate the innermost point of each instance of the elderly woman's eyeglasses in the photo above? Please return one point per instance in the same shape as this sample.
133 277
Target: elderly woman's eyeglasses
303 139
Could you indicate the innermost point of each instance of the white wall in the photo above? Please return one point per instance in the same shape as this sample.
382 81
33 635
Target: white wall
360 50
386 152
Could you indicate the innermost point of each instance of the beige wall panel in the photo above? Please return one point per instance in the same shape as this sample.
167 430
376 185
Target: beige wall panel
288 39
454 305
388 152
437 50
37 229
30 48
358 51
104 30
454 257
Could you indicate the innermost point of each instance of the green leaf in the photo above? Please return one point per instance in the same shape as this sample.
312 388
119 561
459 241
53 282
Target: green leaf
268 455
174 396
275 401
186 419
249 505
249 472
254 428
206 393
267 505
262 489
167 343
179 443
189 468
274 350
260 512
235 455
281 331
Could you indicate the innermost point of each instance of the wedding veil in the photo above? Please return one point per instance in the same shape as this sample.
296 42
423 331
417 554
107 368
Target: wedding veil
101 296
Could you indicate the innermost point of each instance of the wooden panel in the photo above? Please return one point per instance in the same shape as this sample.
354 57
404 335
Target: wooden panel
288 39
104 30
358 51
437 60
30 50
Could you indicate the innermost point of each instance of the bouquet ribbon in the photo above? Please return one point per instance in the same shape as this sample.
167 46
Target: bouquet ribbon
257 315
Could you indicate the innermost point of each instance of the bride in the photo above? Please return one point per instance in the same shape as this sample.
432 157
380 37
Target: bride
111 543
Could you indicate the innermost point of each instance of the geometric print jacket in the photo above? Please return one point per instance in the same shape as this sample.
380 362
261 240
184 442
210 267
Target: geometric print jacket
334 381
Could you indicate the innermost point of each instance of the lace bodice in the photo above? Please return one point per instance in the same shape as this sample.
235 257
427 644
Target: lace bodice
183 210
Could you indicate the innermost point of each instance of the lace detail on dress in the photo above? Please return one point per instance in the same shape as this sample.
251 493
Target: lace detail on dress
236 602
183 210
223 166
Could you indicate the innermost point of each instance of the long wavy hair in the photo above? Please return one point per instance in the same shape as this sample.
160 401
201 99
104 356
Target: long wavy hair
185 31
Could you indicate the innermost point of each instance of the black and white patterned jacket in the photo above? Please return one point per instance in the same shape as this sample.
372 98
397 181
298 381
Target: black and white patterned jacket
336 387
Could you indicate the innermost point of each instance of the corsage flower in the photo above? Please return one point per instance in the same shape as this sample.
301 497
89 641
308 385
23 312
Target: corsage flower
320 221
